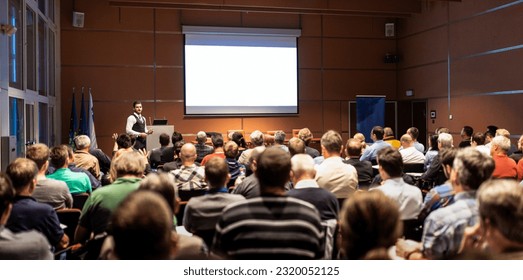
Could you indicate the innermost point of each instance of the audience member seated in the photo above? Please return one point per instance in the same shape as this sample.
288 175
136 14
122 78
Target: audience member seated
217 143
141 229
478 142
83 159
203 212
307 189
78 182
466 136
408 197
252 229
25 245
123 143
279 140
408 152
128 169
500 225
189 176
155 156
370 225
332 174
432 152
306 135
103 159
388 136
442 195
169 152
187 247
296 146
444 227
27 213
517 155
202 149
238 138
176 162
353 150
361 138
52 192
505 166
257 140
435 176
414 133
235 168
371 151
506 133
250 187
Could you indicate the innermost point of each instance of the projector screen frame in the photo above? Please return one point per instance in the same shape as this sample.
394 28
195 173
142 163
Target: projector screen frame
215 30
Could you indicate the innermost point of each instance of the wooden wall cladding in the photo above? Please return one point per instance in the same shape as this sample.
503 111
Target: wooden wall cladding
126 53
482 40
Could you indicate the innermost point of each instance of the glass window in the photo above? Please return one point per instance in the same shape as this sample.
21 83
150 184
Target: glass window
52 138
50 10
51 64
30 124
16 124
15 45
31 48
42 6
43 125
42 57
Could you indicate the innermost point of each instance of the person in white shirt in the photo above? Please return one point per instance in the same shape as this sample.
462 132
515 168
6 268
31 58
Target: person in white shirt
407 196
137 126
409 153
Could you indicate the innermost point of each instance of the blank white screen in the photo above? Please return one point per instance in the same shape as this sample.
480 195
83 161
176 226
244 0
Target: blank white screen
240 73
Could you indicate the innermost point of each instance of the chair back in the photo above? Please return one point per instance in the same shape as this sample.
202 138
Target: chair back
79 200
413 167
69 218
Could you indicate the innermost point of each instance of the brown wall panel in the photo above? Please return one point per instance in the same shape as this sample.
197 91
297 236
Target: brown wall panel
311 25
268 20
490 73
110 83
309 52
310 84
169 49
346 84
94 18
464 9
423 48
357 53
331 116
354 27
169 83
211 18
427 81
168 20
435 14
487 32
106 48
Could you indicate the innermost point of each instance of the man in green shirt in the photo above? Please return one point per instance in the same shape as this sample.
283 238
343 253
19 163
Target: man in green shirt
129 170
76 181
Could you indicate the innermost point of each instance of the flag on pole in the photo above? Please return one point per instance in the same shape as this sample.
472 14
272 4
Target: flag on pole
90 122
73 124
83 130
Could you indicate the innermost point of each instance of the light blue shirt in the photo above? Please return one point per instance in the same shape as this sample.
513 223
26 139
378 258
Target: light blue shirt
371 152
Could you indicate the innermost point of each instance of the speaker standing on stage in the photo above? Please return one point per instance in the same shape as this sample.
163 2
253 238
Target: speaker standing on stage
137 127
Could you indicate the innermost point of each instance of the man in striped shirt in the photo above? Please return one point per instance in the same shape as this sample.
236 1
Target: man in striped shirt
272 226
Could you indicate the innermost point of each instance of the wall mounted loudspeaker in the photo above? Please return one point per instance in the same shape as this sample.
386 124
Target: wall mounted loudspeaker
78 19
389 30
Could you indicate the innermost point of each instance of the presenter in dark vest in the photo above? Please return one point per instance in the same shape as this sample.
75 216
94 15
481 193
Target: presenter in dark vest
137 127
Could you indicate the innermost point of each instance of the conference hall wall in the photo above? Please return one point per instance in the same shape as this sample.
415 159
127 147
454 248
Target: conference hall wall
125 54
482 85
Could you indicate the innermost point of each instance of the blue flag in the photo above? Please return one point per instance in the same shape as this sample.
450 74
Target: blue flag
370 112
83 129
73 124
90 121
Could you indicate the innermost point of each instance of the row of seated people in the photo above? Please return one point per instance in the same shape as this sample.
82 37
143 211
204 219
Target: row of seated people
331 145
140 223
